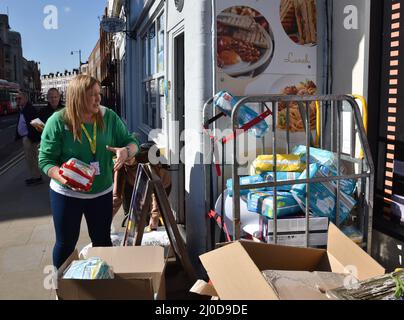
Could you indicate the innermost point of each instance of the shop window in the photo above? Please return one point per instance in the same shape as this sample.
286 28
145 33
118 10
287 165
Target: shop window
153 73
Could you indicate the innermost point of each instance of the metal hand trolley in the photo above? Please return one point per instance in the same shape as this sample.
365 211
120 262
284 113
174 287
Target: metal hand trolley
329 110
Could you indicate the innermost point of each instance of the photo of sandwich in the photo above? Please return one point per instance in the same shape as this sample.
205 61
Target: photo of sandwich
244 42
296 124
299 20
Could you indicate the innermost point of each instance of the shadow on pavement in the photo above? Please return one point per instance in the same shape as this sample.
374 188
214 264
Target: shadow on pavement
18 201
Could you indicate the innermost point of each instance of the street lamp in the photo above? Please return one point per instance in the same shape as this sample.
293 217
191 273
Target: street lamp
79 52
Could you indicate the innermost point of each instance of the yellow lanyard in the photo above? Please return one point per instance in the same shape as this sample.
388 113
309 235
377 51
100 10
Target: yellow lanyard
93 141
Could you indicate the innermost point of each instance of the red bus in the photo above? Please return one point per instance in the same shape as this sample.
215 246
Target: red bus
8 93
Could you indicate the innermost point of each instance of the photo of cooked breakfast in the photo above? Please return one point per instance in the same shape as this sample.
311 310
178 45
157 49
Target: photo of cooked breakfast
303 88
245 43
299 20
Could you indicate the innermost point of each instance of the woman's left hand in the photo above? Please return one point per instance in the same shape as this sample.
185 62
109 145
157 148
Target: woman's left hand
121 156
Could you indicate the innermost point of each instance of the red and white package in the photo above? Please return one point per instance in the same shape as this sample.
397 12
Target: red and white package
78 174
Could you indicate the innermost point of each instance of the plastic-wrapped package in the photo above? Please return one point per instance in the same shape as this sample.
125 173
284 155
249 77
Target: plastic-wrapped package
262 203
89 269
328 162
284 163
322 201
246 180
320 156
347 186
263 177
226 102
78 174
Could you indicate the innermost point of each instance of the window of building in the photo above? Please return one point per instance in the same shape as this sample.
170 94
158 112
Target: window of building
153 73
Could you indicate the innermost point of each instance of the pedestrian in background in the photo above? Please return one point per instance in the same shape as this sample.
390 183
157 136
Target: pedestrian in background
30 137
54 104
84 130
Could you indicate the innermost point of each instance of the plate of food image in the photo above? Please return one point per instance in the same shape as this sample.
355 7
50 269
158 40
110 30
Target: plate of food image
299 86
244 44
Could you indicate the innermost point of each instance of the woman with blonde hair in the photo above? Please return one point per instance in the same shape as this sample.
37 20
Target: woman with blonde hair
84 130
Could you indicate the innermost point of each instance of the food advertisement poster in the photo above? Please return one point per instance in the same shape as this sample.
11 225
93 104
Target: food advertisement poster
268 47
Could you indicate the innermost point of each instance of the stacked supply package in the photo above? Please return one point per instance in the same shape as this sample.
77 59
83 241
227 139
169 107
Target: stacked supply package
263 203
263 177
323 201
288 167
328 165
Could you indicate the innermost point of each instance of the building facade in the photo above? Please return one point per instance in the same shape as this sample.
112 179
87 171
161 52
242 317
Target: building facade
58 80
117 43
32 79
13 66
170 71
12 61
108 67
94 62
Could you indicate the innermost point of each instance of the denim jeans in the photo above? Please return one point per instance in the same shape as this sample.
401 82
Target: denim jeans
67 215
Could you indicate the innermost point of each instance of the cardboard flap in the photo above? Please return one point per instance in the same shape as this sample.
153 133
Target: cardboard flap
127 261
287 258
203 288
242 283
343 252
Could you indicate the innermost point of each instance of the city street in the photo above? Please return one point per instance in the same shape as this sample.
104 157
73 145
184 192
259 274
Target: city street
9 148
26 236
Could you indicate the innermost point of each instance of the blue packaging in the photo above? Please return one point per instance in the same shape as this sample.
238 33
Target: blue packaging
347 186
328 162
89 269
225 102
264 177
262 203
320 156
322 201
246 180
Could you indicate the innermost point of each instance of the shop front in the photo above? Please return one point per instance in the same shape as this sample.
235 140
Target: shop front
181 53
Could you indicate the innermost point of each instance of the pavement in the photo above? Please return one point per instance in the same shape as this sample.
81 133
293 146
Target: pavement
27 237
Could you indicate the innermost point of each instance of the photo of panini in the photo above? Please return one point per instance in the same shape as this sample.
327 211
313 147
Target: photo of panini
243 22
288 16
299 20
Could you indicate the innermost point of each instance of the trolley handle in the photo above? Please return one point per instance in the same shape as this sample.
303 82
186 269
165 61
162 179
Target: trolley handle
364 116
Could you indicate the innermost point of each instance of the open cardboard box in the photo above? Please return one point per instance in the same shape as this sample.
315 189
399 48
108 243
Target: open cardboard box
235 269
139 274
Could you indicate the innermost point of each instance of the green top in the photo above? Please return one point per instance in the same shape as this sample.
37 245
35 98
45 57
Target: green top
58 146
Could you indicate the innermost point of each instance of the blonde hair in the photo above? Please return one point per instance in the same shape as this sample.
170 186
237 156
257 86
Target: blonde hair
76 104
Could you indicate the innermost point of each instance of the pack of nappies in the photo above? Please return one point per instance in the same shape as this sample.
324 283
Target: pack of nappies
328 162
263 177
320 156
284 163
347 186
244 181
89 269
262 203
322 201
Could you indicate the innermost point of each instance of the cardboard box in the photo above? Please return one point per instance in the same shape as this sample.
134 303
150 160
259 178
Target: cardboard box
292 231
139 274
235 270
